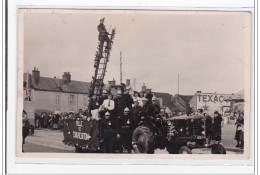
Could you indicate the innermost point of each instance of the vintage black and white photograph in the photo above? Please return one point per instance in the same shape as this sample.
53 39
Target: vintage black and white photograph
134 82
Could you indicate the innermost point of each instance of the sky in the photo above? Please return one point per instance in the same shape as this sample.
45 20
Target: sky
209 50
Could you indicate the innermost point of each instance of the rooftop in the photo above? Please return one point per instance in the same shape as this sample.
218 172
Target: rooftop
60 85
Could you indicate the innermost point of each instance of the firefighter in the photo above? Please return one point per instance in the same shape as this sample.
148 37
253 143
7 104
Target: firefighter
136 112
108 134
126 129
155 107
217 124
93 106
120 104
149 96
208 125
103 34
127 98
145 112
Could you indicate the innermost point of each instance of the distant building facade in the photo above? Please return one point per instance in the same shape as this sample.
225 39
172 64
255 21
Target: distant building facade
43 94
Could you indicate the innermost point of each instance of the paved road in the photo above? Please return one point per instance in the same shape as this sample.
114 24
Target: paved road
46 140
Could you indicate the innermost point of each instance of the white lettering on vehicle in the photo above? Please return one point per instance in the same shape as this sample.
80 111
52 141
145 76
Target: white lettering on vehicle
81 135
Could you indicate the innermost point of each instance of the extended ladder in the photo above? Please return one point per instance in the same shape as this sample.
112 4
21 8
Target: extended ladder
100 65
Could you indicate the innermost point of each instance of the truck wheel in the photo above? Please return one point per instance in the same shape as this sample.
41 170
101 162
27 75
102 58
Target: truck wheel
143 140
78 149
218 149
172 150
184 150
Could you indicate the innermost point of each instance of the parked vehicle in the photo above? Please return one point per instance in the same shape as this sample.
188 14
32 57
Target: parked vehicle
179 135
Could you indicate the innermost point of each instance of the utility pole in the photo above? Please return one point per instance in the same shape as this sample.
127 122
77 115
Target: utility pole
134 84
121 74
178 86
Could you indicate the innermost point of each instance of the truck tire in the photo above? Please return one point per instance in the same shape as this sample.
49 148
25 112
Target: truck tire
78 149
185 150
218 149
143 140
172 150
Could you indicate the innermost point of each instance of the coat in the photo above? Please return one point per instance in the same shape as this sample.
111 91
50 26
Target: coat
126 123
93 104
128 100
217 127
154 110
146 111
149 98
135 112
107 129
120 105
26 126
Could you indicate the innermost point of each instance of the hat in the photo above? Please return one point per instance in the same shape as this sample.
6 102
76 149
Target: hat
154 98
215 112
107 114
126 110
102 19
119 92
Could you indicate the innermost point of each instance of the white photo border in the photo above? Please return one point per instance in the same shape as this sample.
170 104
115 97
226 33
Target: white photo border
79 166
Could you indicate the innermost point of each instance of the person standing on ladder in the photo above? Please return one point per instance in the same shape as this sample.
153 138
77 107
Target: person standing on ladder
103 34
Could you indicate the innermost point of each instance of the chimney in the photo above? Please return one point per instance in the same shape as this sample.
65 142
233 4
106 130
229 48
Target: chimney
35 76
127 82
112 83
27 79
67 77
143 88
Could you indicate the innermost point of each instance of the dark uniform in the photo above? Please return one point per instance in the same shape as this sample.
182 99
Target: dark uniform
26 126
146 112
118 111
208 125
128 101
103 36
93 104
135 112
126 129
155 110
120 105
108 134
149 98
217 128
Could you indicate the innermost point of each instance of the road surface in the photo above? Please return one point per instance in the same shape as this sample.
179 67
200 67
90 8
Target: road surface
47 140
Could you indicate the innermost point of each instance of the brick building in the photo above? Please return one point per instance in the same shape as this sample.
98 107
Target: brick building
44 94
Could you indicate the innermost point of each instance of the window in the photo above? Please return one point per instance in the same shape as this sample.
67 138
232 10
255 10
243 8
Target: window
72 99
57 98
